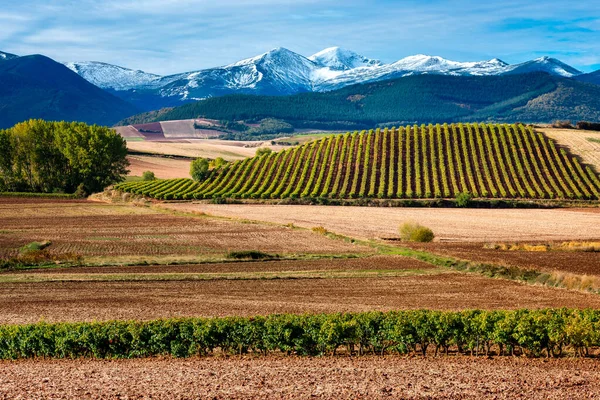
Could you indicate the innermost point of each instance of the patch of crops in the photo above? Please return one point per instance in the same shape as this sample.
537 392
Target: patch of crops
434 161
550 332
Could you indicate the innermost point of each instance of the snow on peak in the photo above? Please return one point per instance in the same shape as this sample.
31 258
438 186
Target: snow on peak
108 76
544 64
338 59
7 56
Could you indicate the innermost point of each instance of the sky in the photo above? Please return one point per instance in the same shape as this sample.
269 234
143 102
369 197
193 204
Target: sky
172 36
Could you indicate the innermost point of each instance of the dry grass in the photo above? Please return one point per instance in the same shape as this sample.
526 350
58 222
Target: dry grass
465 225
583 246
577 141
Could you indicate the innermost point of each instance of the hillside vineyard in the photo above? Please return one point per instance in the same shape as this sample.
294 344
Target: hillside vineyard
435 161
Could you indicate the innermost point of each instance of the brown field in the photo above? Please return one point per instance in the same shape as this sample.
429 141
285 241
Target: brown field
576 262
294 377
163 168
576 141
112 230
208 148
376 263
466 225
332 281
91 300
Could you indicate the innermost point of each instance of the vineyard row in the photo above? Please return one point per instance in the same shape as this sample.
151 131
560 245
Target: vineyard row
435 161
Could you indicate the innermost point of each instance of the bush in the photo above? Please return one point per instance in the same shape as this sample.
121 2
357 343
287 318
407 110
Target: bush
546 332
413 232
34 246
562 124
588 126
148 176
249 254
464 199
218 163
199 169
263 151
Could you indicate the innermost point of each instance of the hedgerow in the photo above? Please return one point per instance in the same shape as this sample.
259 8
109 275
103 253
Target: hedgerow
547 332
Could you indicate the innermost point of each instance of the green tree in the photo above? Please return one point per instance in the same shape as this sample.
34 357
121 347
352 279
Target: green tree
263 151
148 176
199 169
218 162
41 156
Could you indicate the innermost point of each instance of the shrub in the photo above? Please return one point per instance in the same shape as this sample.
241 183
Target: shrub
199 169
464 199
320 230
588 126
263 151
218 163
249 254
148 176
34 246
562 124
413 232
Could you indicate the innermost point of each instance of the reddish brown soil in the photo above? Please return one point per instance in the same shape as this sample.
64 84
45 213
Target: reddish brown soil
350 264
99 229
163 168
87 301
278 377
587 263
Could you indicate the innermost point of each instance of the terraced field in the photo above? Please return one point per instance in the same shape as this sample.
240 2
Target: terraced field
426 162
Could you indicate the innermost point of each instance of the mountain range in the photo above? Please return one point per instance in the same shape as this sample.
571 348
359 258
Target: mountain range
284 72
38 87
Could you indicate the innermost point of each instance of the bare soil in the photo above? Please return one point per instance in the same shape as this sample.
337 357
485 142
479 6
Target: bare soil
209 148
163 168
466 225
277 377
583 263
88 301
100 229
380 263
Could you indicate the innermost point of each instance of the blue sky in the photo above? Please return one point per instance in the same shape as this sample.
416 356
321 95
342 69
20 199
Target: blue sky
169 36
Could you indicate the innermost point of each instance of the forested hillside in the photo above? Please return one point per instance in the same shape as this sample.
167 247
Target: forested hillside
535 97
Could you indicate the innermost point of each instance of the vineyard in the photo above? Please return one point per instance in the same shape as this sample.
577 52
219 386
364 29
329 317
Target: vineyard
535 333
434 161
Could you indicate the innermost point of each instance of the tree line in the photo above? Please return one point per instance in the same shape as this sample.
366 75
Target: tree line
60 157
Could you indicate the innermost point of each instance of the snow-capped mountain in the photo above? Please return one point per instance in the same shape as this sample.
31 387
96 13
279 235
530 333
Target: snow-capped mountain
7 56
545 64
277 72
108 76
338 59
281 72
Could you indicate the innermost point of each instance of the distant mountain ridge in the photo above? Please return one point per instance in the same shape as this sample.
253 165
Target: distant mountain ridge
38 87
7 56
284 72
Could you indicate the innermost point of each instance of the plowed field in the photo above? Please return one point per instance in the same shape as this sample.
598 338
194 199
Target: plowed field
88 301
109 230
291 377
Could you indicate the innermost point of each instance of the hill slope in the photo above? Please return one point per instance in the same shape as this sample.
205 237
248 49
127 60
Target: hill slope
495 161
38 87
535 97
